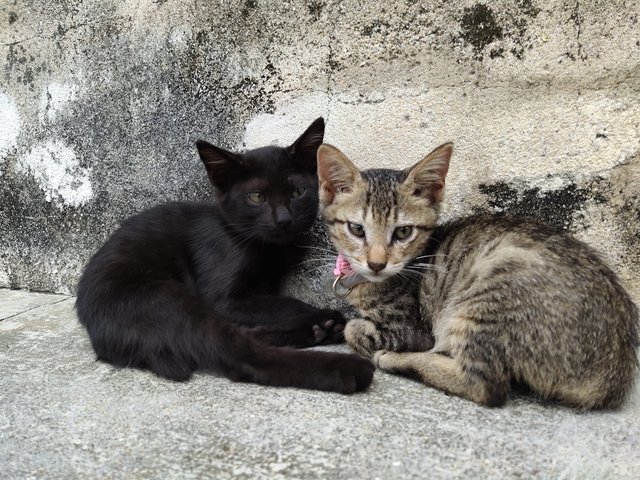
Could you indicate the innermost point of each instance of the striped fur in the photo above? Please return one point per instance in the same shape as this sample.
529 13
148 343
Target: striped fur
472 306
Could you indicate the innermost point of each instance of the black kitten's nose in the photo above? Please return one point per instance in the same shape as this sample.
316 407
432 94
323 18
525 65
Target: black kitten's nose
376 267
283 217
283 222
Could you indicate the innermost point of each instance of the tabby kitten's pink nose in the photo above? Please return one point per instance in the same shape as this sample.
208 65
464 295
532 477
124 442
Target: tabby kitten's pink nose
376 267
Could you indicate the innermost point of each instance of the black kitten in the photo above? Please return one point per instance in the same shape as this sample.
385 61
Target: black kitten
184 286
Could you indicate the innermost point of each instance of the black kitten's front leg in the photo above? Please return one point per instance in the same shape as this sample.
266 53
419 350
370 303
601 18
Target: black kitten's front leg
286 321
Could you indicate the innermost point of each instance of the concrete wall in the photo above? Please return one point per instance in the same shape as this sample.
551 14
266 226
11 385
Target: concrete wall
101 101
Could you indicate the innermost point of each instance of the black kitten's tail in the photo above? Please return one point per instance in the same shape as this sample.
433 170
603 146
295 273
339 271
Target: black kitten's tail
168 331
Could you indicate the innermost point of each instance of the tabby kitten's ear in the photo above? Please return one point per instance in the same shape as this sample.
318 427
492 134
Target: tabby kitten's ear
306 146
426 177
336 173
222 166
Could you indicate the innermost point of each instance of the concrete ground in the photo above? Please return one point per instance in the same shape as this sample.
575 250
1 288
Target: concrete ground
63 415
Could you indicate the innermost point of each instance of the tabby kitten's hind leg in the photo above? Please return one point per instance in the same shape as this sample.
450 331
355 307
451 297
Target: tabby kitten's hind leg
476 381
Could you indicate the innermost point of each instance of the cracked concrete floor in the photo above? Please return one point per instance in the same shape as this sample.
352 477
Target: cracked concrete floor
63 415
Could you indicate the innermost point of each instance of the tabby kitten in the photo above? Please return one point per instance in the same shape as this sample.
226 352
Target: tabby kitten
477 304
194 286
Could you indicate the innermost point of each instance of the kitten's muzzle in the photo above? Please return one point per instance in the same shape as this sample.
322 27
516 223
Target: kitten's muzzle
376 266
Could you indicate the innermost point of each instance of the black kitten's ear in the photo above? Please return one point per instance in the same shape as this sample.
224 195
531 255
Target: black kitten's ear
426 177
306 146
336 173
222 166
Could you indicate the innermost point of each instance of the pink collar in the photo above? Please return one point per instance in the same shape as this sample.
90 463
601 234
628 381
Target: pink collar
343 267
346 277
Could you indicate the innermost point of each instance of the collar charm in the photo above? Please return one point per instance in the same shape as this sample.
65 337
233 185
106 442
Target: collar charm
346 277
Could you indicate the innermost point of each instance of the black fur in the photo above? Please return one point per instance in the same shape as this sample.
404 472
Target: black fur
184 287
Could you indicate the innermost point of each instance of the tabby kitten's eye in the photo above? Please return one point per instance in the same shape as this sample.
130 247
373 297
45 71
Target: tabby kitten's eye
256 198
356 229
298 192
402 233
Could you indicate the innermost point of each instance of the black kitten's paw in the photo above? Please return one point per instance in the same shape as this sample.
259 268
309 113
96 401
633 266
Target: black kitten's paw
330 329
348 373
361 372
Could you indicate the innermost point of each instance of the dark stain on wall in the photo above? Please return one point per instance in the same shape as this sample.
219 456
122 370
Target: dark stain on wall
376 27
315 7
248 7
203 73
479 27
31 226
518 31
23 67
497 33
561 208
528 8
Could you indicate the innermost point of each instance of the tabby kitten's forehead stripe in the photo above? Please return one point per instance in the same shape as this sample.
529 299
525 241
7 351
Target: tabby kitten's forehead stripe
381 198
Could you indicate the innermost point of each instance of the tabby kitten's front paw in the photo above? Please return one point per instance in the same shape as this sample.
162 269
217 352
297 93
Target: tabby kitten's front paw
330 329
363 336
377 358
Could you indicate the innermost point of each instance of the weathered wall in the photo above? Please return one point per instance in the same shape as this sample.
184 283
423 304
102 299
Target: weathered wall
101 101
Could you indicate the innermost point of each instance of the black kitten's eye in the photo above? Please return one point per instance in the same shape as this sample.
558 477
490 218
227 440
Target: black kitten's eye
402 233
256 198
356 229
298 192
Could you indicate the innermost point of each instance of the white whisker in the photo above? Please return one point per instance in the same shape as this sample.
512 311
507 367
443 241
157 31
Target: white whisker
435 255
422 267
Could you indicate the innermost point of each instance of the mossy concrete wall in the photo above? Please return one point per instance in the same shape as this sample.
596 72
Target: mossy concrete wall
101 102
